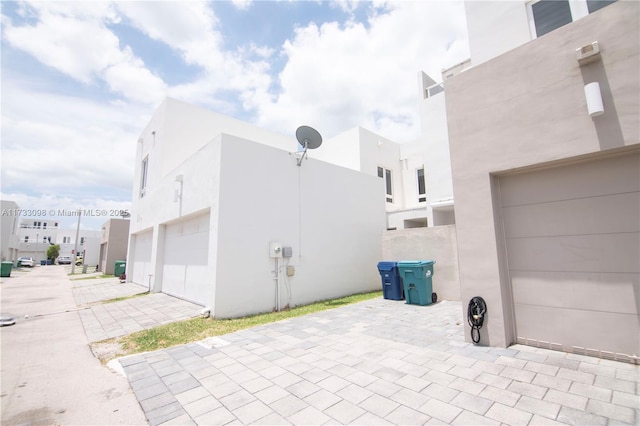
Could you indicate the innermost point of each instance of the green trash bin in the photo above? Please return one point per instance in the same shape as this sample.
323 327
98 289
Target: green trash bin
416 276
120 267
5 270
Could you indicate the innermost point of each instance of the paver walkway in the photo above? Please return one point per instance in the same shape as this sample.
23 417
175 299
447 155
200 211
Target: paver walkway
377 362
104 321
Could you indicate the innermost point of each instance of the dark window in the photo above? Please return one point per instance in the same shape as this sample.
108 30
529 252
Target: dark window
594 5
143 176
422 187
26 238
387 175
380 172
549 15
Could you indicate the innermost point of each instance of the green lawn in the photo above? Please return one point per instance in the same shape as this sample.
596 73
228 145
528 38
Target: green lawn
200 328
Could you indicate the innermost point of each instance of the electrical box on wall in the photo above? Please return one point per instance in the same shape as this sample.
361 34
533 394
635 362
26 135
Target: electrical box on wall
287 251
275 250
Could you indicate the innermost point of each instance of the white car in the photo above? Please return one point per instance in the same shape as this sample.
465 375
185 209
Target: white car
64 260
26 261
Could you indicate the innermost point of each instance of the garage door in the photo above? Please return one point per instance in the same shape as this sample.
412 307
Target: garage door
141 258
573 251
186 253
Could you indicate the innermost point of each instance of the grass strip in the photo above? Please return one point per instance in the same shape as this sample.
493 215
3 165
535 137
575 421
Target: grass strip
90 278
120 299
195 329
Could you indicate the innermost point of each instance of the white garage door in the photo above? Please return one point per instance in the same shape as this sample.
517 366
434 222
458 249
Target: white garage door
573 251
186 253
141 258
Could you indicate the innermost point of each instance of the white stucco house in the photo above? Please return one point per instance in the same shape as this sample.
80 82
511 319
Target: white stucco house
33 237
400 168
546 173
9 240
223 216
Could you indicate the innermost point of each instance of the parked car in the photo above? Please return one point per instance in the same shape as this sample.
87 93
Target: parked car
64 260
79 260
26 261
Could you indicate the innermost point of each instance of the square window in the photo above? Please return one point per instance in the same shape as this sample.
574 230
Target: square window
549 15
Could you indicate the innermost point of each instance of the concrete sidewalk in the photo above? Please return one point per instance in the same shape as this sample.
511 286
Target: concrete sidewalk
377 362
48 373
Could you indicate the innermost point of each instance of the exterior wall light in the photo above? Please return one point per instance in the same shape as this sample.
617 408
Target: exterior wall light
594 99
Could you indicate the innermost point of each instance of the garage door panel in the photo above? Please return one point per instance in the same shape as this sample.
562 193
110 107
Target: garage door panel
618 333
197 277
578 291
142 258
572 237
186 256
594 215
580 253
173 279
587 179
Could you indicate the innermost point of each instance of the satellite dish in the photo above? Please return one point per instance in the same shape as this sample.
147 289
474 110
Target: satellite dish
308 138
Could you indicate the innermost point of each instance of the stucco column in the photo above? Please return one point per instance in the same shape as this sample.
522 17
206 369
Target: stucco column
157 257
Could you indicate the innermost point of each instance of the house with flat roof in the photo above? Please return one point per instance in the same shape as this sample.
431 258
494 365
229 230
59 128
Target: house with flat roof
229 216
544 137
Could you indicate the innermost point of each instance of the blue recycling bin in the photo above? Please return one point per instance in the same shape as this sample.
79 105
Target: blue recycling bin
416 277
391 281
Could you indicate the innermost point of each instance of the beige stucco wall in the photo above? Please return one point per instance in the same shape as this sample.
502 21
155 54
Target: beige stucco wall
435 243
527 108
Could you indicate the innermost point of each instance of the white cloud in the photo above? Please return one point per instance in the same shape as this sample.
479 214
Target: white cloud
73 38
338 77
61 144
242 4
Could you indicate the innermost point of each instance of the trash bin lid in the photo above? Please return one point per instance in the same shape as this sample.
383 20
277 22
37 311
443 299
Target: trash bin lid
410 263
386 265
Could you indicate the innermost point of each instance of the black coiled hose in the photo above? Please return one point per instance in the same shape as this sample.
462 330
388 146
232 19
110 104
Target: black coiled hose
475 316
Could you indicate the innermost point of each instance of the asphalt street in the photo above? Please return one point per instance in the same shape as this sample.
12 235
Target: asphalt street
48 373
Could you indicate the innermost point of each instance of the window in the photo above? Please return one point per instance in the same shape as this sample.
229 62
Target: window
81 240
387 178
422 187
143 176
386 175
549 15
594 5
26 238
66 240
45 239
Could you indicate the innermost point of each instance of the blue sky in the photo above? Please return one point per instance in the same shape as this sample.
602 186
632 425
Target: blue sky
81 79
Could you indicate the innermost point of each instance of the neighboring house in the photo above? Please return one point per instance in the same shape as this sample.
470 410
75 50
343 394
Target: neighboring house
35 235
113 244
9 232
400 168
547 197
223 216
434 142
88 244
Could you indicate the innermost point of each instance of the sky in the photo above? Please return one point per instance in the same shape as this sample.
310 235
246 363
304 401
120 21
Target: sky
80 80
